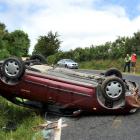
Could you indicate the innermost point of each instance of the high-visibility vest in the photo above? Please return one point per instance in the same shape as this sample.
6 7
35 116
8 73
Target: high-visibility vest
127 59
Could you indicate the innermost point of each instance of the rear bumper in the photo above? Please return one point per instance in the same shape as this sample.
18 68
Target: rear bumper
133 100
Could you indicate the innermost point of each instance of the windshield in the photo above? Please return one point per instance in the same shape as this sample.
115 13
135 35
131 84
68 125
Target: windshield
69 60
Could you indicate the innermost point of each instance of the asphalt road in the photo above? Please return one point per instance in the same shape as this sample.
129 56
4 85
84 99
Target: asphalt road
103 127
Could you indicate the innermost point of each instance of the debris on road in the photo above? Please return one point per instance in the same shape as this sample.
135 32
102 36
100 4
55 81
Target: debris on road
50 130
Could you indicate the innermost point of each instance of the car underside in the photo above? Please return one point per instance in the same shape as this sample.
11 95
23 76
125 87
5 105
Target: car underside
64 91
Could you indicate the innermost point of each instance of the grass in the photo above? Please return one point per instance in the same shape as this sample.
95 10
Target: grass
106 64
23 118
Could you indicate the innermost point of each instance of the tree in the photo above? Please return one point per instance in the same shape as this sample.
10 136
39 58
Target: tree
18 43
3 43
136 43
3 32
48 45
118 48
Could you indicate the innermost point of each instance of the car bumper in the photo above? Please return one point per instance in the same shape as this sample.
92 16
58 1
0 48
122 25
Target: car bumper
73 67
133 101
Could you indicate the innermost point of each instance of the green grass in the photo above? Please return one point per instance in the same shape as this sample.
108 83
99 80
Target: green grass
24 119
101 64
106 64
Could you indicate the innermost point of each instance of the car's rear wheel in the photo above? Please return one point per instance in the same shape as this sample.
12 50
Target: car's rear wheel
113 88
113 71
13 68
66 66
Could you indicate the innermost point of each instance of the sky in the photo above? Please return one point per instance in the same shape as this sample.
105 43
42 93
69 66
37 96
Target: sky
80 23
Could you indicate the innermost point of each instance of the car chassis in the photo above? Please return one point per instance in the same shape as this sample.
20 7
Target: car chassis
66 92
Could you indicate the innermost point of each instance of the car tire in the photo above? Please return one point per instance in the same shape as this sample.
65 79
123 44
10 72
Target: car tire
13 68
66 66
113 71
113 88
38 57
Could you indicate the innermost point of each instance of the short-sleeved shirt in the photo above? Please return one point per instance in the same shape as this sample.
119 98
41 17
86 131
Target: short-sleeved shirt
133 58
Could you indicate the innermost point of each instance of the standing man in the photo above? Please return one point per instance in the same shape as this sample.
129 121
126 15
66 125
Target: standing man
133 62
127 61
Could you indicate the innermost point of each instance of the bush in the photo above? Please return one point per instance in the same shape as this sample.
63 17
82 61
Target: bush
4 53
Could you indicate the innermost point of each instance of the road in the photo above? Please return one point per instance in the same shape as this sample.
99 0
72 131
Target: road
103 127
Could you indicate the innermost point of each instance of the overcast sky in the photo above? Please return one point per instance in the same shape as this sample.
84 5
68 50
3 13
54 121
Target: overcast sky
79 23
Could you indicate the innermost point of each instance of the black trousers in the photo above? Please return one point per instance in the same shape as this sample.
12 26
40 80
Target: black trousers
127 65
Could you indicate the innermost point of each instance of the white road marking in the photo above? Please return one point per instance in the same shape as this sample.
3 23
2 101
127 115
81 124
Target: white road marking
57 133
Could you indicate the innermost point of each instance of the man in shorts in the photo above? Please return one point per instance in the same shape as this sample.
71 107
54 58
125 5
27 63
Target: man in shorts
133 62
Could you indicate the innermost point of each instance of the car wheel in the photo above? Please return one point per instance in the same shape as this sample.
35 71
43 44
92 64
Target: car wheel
113 88
66 66
13 68
38 57
113 71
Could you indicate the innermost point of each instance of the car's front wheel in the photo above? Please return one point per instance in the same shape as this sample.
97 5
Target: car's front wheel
40 59
66 66
113 88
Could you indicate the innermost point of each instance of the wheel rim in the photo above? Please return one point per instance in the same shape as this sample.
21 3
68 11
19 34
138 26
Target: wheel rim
12 68
113 89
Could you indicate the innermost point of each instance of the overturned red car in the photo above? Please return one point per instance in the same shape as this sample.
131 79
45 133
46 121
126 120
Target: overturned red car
65 91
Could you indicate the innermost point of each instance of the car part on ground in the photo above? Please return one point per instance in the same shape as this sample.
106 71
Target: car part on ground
39 59
35 59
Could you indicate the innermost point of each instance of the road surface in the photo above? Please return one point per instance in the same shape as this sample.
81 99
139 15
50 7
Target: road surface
103 127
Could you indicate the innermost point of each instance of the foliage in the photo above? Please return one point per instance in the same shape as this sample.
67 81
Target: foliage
47 45
52 59
106 64
19 43
3 30
23 118
102 64
110 50
4 53
15 43
3 43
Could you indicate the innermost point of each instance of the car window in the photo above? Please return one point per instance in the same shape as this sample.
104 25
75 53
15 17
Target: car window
69 60
60 61
65 61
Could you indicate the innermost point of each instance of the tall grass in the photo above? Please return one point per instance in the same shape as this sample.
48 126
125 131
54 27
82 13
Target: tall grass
23 118
105 64
102 64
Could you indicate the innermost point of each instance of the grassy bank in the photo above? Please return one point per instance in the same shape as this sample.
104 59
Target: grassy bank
24 119
105 64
